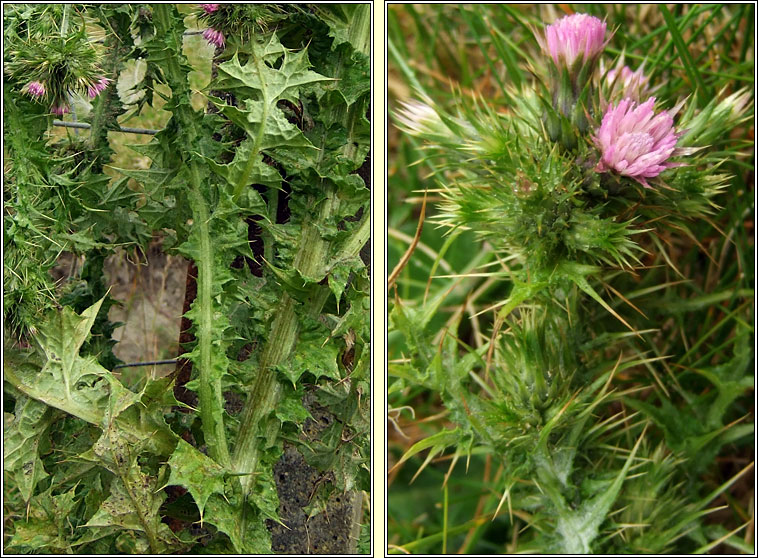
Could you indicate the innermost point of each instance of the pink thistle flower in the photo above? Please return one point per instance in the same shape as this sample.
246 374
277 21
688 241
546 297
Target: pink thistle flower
209 8
94 90
35 88
635 142
214 37
60 110
573 37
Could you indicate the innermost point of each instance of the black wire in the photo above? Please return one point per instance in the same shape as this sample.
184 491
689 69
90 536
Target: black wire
85 126
148 363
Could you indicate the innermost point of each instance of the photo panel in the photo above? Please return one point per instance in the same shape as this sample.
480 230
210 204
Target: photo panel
187 278
570 266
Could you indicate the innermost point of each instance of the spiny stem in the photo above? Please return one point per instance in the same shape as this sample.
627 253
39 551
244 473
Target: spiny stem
266 391
105 107
209 392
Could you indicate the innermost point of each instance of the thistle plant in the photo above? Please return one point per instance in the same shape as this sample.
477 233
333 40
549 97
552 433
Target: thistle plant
545 344
262 190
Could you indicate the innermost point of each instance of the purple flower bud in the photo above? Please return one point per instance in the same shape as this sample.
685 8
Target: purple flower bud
630 84
635 142
209 8
35 88
214 37
573 37
60 110
94 90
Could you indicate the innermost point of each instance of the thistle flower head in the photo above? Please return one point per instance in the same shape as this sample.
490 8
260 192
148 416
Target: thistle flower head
573 37
60 110
99 86
209 8
214 37
35 88
634 141
417 118
632 84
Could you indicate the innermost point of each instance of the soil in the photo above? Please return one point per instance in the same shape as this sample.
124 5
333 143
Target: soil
150 287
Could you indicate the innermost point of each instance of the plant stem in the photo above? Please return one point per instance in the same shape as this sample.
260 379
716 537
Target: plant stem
209 393
313 252
264 396
245 177
107 106
266 391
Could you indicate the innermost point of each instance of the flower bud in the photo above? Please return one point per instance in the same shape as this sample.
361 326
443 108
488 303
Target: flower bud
35 88
94 90
419 119
574 44
209 8
60 110
573 37
624 83
719 116
214 37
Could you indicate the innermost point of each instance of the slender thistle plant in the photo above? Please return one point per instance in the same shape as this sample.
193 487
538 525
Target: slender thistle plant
546 322
264 193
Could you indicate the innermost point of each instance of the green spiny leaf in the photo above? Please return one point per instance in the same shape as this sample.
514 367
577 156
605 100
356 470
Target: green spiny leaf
273 84
21 438
312 354
48 522
196 472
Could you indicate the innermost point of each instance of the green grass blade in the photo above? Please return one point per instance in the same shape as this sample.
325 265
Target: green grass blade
689 64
